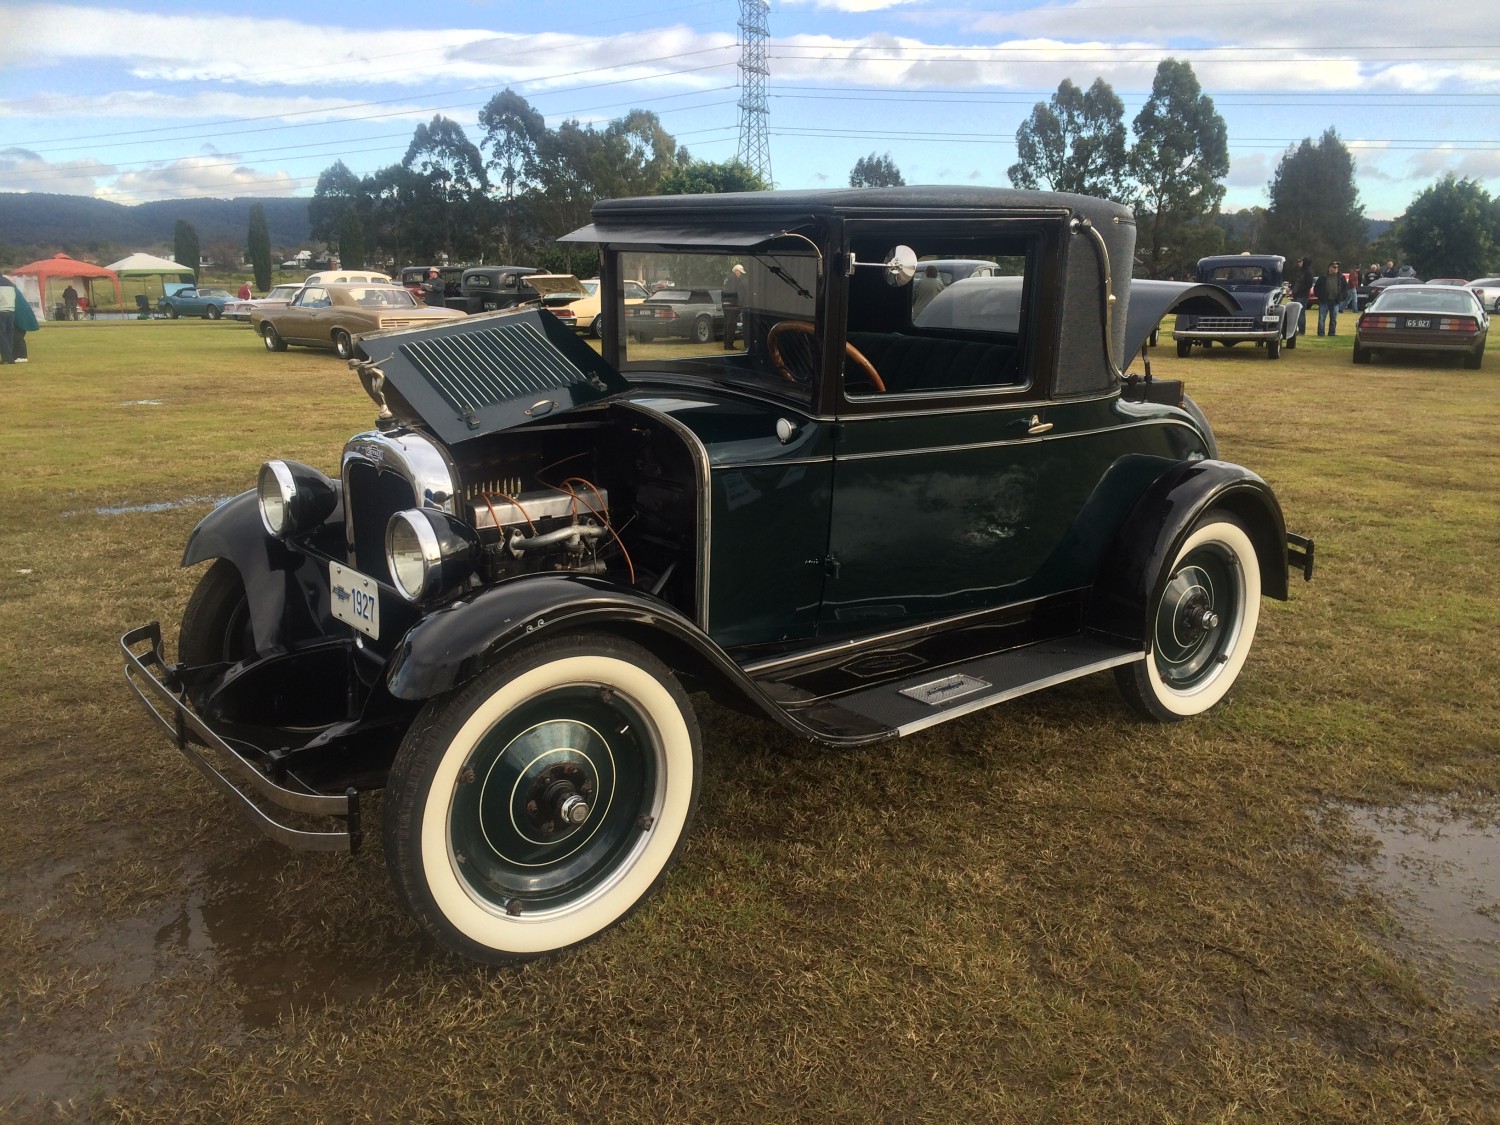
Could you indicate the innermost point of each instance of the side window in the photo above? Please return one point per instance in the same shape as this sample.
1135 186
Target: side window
961 326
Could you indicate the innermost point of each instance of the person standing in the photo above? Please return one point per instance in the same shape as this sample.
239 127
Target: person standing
25 321
244 294
927 286
432 289
70 302
1302 292
9 295
1330 292
731 302
1351 290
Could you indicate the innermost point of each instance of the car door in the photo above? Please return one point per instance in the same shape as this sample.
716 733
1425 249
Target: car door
298 323
949 487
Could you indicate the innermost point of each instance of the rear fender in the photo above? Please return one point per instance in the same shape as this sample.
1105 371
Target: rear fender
1135 568
287 589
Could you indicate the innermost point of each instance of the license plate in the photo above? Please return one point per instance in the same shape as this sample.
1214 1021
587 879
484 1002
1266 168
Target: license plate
354 599
1413 323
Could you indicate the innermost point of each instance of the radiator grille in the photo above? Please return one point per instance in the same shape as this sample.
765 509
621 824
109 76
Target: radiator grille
1225 324
478 369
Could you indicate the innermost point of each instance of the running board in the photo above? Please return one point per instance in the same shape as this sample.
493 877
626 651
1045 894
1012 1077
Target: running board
933 697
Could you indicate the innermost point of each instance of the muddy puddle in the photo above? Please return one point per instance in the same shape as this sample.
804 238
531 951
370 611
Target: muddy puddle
1440 870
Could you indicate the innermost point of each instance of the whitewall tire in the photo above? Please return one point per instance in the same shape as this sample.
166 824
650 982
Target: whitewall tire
541 803
1200 627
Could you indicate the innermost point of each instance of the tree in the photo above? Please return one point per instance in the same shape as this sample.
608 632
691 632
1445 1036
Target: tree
1451 229
1075 144
1180 156
875 171
394 231
700 177
259 247
185 246
351 240
1315 208
452 170
337 190
513 131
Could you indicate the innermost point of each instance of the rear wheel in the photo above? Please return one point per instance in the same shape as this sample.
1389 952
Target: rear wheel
541 803
1201 625
272 338
343 346
1361 353
213 312
1474 358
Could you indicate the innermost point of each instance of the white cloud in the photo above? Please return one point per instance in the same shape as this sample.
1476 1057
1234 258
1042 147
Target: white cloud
153 104
1252 170
198 176
210 46
23 170
1439 161
852 5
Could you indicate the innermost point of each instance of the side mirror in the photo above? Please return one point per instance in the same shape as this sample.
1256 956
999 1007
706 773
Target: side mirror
901 267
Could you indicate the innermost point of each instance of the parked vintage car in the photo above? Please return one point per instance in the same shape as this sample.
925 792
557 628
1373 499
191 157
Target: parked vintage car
697 314
1381 284
335 315
277 298
1424 319
1266 316
491 288
588 310
495 606
189 300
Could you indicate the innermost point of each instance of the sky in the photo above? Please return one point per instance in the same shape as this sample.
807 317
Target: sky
136 101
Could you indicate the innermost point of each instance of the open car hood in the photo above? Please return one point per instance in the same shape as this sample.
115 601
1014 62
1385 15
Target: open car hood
479 375
555 284
1152 300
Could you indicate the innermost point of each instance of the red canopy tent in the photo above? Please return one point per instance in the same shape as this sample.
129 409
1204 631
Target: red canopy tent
56 273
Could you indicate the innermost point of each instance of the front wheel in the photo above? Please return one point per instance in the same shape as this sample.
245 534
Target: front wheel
272 338
171 312
703 329
1183 347
343 346
541 803
1201 624
1273 348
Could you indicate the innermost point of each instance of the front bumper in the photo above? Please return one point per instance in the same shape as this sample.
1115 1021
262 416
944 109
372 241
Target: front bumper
161 692
1226 334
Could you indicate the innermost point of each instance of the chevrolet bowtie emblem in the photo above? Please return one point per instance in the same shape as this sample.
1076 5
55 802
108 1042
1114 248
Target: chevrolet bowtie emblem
341 593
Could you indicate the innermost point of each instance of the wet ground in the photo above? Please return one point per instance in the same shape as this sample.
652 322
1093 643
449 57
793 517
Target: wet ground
1440 870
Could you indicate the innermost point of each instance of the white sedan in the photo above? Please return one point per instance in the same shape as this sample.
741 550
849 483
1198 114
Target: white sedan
1487 289
275 299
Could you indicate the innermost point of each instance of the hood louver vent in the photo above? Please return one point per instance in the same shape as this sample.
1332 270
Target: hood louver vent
496 365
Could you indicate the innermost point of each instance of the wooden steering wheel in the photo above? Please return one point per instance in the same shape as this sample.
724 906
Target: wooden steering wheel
807 328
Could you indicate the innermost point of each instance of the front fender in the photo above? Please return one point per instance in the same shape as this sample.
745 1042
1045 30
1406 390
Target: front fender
287 589
1135 568
452 645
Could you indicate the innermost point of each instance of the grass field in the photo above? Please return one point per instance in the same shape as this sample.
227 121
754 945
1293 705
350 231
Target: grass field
1047 912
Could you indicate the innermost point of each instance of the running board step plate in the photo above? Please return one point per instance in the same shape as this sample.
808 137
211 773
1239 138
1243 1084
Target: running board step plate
929 698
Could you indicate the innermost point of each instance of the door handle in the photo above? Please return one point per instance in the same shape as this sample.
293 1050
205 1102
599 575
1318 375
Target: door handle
1035 425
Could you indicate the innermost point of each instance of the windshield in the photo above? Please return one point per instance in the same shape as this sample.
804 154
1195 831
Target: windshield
1426 300
383 297
744 317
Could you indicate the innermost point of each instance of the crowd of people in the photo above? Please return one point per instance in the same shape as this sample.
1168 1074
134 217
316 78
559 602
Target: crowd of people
1336 290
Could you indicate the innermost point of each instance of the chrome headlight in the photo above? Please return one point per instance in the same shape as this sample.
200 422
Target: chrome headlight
429 553
294 498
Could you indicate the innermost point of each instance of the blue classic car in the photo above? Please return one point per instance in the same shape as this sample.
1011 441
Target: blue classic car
1265 315
868 511
189 300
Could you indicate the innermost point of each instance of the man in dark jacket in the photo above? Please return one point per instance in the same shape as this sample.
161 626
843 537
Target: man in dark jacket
1302 283
1332 290
432 289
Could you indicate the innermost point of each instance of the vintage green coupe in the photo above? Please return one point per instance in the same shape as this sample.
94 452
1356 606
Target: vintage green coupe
883 502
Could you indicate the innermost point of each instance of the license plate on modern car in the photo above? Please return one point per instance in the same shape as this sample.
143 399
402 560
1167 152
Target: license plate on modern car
354 599
1412 322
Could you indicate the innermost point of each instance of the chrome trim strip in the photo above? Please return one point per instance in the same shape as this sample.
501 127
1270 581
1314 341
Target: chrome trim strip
1016 692
772 464
705 493
888 453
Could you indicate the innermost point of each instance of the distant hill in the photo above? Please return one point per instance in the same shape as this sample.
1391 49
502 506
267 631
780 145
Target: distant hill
30 219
